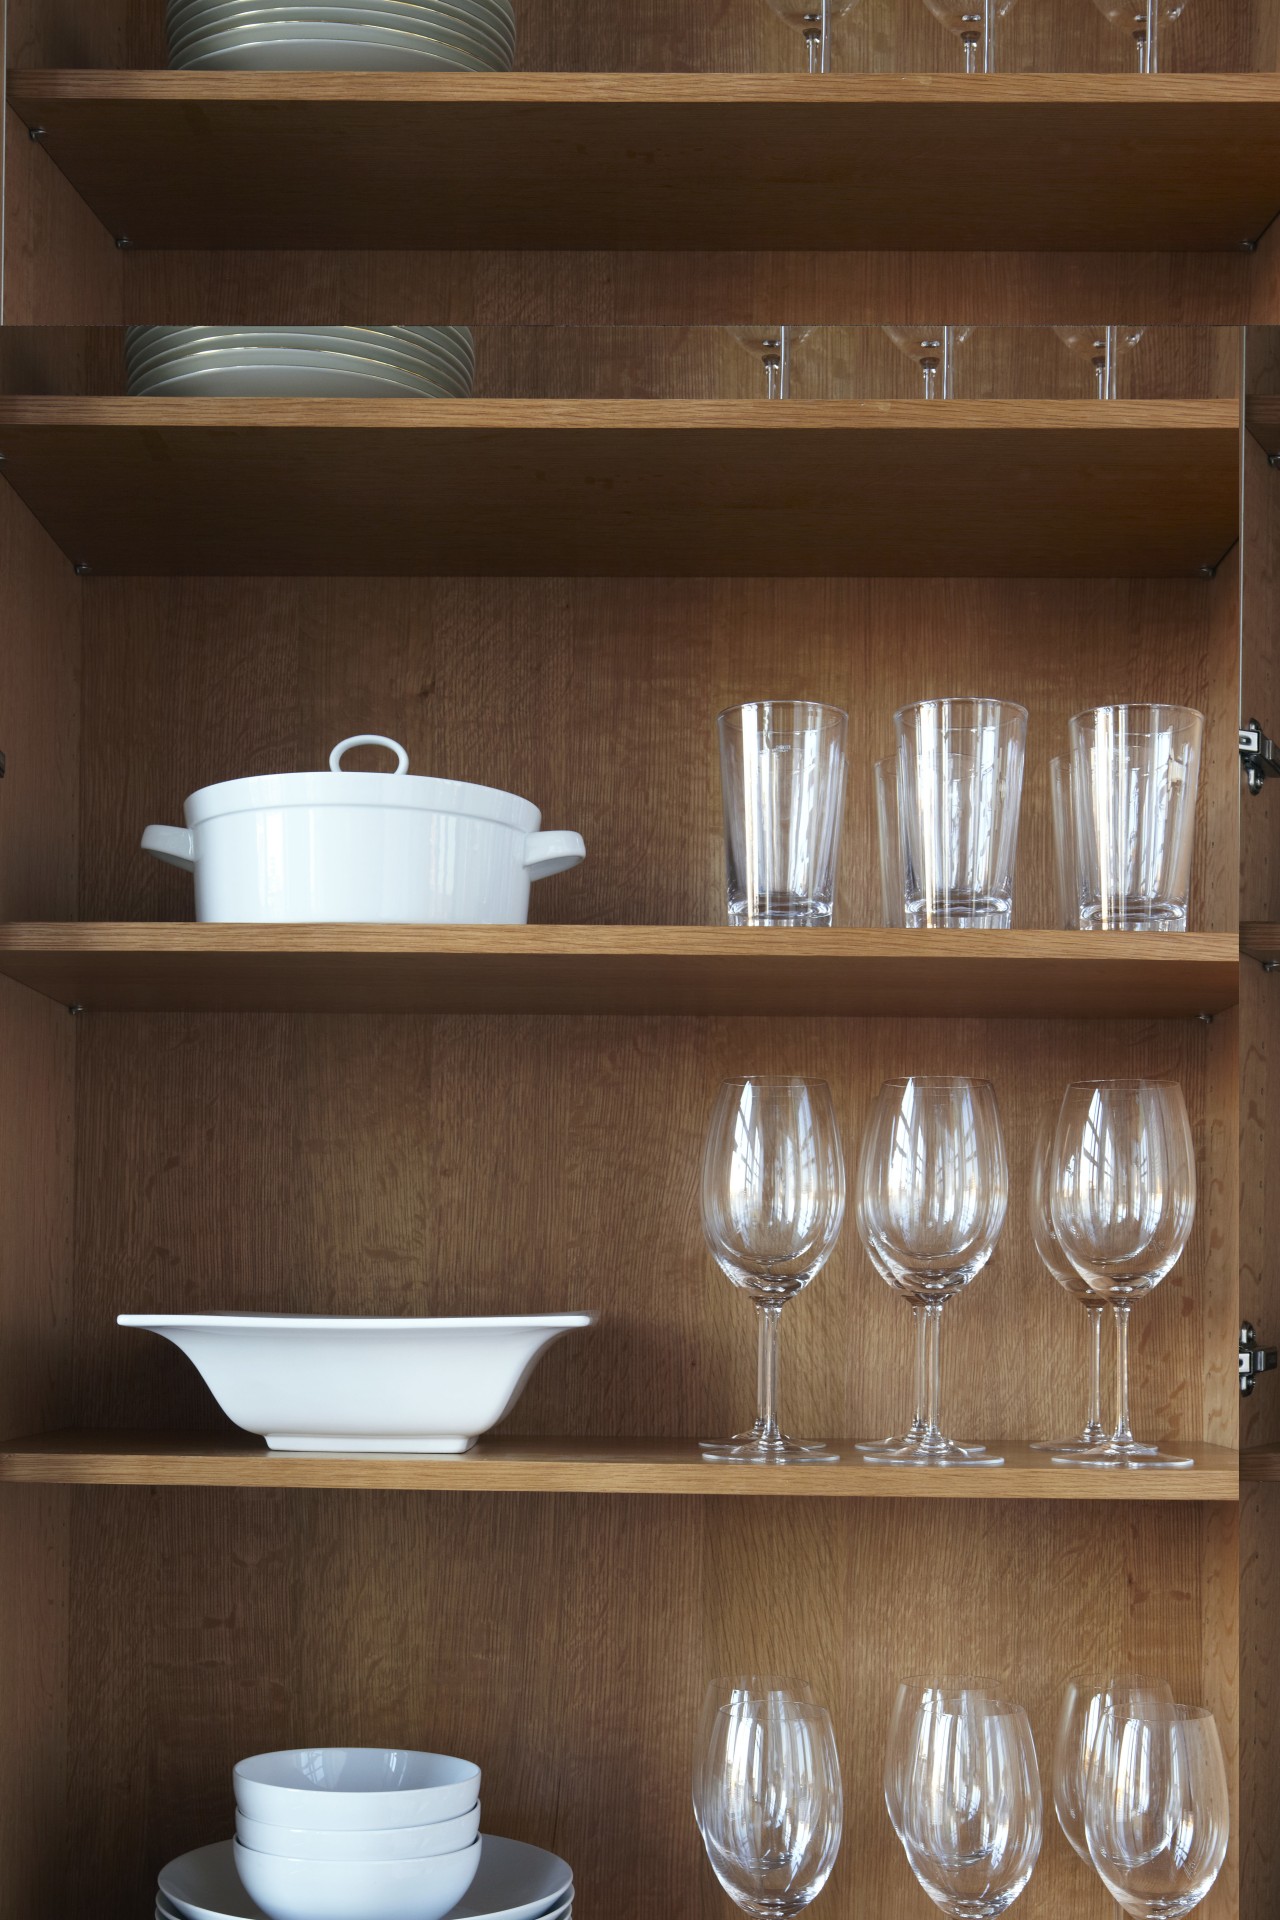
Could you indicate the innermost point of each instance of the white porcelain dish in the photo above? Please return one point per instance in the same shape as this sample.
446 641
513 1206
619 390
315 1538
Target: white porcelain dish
354 1789
468 37
380 1843
371 1889
265 376
515 1882
312 1384
319 49
363 847
432 357
483 16
204 1885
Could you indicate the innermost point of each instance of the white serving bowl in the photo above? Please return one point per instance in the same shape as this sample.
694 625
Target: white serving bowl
380 1843
310 1384
371 1889
354 1789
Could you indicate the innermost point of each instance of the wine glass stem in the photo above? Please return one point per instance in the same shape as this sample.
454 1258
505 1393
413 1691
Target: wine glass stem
922 1361
929 368
767 1370
773 375
969 42
784 364
1096 1317
988 36
813 39
932 1369
1123 1432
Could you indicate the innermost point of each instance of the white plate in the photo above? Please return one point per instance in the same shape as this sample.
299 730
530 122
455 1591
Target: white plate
280 383
495 22
430 362
440 376
329 50
430 344
218 16
513 1882
314 1384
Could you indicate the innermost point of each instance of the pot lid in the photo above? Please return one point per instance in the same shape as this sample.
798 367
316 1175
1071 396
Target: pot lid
415 793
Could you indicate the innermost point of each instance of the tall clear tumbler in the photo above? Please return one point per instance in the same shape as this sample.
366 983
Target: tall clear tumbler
1135 771
960 768
782 769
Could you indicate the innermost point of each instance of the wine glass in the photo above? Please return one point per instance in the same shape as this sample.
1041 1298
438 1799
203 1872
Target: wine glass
773 1193
736 1694
1157 1811
1084 1704
814 19
972 1810
933 1191
773 347
1093 1433
770 1803
911 1701
934 351
1143 20
974 22
1103 347
1122 1202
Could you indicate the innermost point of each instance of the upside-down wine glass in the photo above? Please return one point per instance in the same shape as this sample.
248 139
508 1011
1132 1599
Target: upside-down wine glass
1123 1202
1104 347
972 1808
770 1803
1157 1808
1093 1433
1084 1703
974 24
933 1191
773 1195
773 347
814 19
933 350
1143 21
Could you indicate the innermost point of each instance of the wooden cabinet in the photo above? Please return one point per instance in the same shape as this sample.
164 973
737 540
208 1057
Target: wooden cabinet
555 594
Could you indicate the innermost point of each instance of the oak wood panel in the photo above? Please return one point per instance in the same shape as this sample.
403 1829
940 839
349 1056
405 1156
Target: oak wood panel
642 970
565 1644
59 263
613 488
1260 1463
605 160
588 1466
1259 1823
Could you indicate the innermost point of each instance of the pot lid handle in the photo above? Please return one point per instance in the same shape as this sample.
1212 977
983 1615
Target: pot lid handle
368 740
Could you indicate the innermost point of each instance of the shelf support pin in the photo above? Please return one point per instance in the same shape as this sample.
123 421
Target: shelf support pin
1208 573
76 1008
35 133
1248 246
1271 966
1273 459
1205 1019
83 567
123 242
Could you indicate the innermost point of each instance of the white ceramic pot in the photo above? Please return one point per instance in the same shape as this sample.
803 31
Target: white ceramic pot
363 847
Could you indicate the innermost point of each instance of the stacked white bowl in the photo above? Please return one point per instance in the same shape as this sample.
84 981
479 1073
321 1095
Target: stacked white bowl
323 1833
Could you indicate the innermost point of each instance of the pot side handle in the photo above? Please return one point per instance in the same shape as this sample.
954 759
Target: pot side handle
173 845
548 853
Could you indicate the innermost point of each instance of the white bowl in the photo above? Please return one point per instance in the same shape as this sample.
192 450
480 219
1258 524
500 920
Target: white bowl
310 1384
372 1889
354 1789
381 1843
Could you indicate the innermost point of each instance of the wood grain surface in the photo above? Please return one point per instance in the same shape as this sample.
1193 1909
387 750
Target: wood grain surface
620 487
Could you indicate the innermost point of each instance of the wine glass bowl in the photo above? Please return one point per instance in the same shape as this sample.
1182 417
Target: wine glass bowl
773 347
933 350
1104 347
1092 1434
974 24
1143 21
1157 1807
1084 1704
771 1803
814 19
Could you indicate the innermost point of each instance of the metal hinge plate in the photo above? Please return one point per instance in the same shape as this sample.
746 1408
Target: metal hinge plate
1254 1360
1259 755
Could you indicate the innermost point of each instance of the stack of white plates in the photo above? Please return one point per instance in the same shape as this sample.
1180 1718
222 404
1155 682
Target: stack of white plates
432 363
353 36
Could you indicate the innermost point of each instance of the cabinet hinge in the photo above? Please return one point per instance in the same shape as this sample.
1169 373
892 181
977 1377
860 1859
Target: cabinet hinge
1259 755
1254 1360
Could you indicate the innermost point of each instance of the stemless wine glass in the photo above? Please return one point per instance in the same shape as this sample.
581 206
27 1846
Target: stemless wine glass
1123 1201
1103 347
1084 1703
934 351
1093 1433
815 20
1143 21
737 1694
974 24
1135 773
892 886
773 347
771 1803
773 1193
1157 1811
960 768
782 781
972 1810
933 1191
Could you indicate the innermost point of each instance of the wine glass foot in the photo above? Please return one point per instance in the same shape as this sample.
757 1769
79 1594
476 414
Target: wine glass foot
1131 1454
778 1450
1081 1443
932 1453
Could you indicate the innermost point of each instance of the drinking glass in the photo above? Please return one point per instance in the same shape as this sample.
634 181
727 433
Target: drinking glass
974 23
934 351
782 768
1093 1433
814 19
1157 1812
960 794
1123 1201
972 1809
933 1191
773 1193
771 1803
1084 1704
773 348
1103 347
1064 844
892 889
913 1700
1143 19
1135 771
737 1694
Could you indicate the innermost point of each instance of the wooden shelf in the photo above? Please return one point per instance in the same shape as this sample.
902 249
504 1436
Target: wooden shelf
666 160
905 487
181 967
587 1466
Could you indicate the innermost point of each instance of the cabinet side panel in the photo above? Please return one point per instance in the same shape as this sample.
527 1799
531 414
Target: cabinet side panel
62 267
